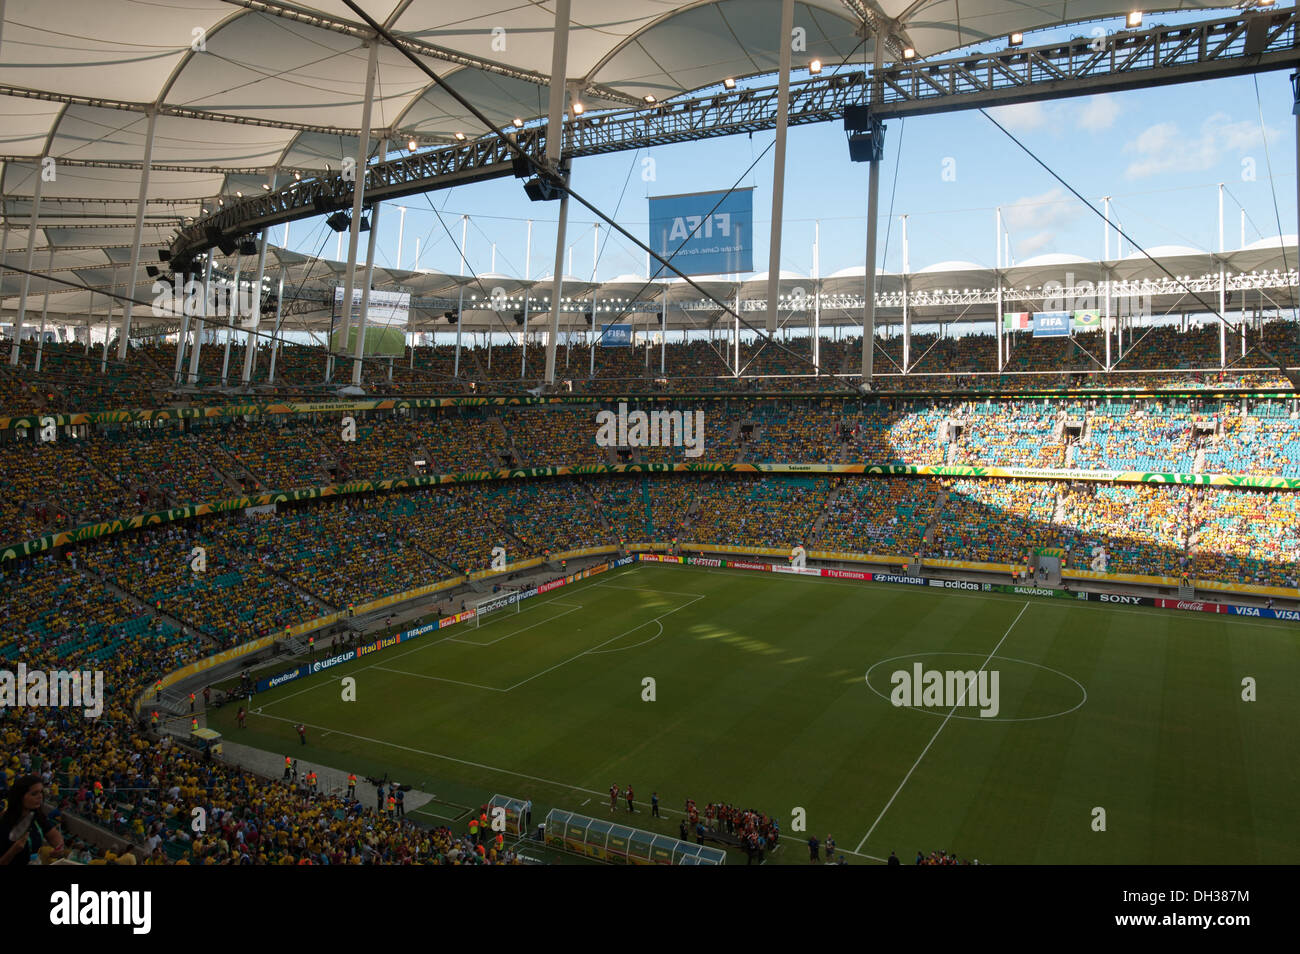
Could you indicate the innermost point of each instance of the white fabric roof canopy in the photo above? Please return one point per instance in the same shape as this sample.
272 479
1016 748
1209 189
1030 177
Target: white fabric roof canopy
266 84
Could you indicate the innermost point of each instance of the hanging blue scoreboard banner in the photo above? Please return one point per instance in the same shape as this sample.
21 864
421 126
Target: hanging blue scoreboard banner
616 336
705 233
1051 324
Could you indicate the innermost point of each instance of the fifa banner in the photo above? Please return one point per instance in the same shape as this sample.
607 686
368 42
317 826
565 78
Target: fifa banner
387 316
1086 320
705 233
616 336
1051 324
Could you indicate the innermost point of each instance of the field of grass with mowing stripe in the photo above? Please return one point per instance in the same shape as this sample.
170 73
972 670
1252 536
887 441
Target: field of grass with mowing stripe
761 699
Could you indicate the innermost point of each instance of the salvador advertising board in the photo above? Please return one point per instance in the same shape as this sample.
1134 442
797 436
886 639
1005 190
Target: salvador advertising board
704 233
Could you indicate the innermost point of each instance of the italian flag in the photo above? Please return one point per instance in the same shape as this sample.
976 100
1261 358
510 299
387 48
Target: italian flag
1015 320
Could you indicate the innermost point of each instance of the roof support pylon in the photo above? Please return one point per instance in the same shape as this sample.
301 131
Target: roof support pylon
365 285
33 222
778 165
554 144
137 235
358 196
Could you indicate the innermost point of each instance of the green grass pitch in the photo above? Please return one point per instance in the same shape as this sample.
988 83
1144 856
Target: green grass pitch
761 699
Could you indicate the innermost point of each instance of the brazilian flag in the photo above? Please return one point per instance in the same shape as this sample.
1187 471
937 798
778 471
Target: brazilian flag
1087 320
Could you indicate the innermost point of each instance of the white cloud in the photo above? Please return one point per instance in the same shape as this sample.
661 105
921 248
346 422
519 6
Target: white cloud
1021 116
1165 148
1035 222
1034 244
1051 210
1098 113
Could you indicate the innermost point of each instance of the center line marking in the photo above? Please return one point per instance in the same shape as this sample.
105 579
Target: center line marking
960 700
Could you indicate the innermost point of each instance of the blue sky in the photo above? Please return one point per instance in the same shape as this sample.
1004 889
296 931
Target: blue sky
1159 153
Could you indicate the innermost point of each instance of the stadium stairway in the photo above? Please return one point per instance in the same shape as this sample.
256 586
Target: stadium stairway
733 435
932 528
846 355
175 622
649 510
228 466
505 444
820 521
477 369
301 590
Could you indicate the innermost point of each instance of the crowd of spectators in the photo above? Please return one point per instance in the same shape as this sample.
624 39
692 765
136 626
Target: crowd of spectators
1264 442
1154 436
143 788
760 511
994 521
888 517
1012 434
1247 536
215 574
70 378
134 605
1143 528
112 603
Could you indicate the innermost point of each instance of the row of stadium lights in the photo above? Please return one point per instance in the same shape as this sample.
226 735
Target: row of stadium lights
613 302
1132 21
814 67
1276 273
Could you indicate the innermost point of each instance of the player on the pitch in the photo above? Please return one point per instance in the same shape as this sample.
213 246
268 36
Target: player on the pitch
613 797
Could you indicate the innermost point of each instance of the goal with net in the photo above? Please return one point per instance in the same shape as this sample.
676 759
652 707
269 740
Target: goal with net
493 606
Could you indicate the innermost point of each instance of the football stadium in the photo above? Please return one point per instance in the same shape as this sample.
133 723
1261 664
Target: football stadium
733 399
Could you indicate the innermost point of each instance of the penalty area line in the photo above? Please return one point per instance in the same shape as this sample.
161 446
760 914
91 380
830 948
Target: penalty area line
391 658
596 648
523 629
